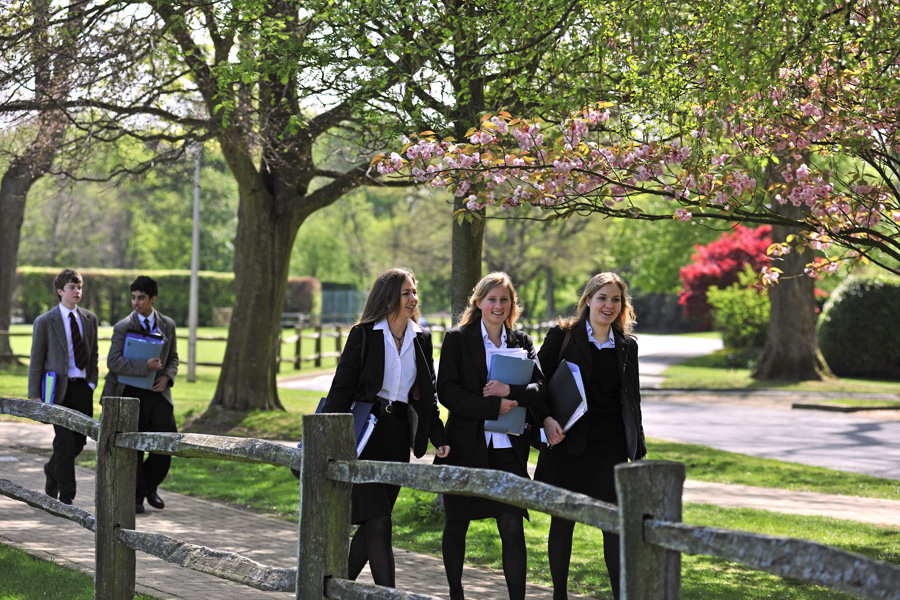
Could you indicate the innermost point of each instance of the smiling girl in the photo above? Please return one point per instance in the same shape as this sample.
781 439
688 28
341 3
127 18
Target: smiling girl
463 387
599 340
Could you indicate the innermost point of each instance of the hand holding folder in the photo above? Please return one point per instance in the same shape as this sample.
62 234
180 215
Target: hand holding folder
141 346
568 401
512 367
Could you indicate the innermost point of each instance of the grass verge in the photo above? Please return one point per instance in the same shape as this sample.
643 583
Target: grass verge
714 372
23 577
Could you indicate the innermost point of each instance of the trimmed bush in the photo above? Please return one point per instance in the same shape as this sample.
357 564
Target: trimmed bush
859 330
718 264
741 313
106 293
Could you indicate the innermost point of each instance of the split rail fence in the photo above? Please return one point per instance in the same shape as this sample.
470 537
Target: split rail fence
648 517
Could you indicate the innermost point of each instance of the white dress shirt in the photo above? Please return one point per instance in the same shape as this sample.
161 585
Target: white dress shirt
610 343
499 440
399 368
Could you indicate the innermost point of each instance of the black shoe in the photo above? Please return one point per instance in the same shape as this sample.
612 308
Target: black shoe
139 507
155 501
66 501
51 488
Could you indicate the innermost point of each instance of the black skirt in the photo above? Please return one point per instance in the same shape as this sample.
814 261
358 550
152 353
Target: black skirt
389 442
592 472
470 508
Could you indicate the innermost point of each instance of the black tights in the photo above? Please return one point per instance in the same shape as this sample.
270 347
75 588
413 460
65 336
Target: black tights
559 553
512 538
372 543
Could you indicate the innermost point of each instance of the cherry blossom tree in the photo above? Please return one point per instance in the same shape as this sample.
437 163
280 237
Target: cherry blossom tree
776 114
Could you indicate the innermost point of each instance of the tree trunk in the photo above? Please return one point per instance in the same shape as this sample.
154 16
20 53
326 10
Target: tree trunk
791 351
262 255
51 80
465 247
551 295
13 192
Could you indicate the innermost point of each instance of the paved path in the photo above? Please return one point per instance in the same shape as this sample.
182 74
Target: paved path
261 538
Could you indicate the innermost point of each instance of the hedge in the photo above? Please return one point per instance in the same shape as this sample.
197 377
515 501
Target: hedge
106 293
858 328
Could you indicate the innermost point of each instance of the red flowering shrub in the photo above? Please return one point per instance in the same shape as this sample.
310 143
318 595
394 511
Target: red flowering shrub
718 264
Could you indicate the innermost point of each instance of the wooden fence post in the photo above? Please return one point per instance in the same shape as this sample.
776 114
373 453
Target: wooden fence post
649 489
338 342
319 346
324 527
298 347
114 499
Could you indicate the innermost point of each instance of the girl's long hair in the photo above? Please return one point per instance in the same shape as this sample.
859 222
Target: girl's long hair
384 297
480 292
626 320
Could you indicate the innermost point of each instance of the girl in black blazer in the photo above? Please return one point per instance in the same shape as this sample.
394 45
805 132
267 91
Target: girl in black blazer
463 387
387 360
599 340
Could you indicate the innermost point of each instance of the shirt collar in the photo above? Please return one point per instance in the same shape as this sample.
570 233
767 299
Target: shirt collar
66 311
610 343
484 334
383 325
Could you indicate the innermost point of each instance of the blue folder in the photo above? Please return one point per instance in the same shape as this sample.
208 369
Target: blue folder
141 346
511 370
48 387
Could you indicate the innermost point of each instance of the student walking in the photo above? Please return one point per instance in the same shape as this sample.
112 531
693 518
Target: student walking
387 361
599 340
157 412
64 345
463 387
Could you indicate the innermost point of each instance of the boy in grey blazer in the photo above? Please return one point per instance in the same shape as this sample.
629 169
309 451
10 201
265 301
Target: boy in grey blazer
64 341
157 410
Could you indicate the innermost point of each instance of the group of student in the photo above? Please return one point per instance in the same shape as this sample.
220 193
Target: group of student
388 361
64 371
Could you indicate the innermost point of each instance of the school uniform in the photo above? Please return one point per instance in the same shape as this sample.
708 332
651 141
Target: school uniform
610 433
53 349
462 376
401 384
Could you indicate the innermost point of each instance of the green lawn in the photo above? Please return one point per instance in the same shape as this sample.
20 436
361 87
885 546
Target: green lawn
24 577
714 372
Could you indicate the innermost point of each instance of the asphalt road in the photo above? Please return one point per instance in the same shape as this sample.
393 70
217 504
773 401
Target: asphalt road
839 441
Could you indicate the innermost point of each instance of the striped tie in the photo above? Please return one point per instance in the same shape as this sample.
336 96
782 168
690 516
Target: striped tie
77 344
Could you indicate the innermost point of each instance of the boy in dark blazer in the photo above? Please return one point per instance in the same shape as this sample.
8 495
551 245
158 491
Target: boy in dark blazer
157 409
64 341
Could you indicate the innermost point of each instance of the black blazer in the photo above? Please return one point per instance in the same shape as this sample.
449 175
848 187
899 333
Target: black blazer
578 351
353 381
461 378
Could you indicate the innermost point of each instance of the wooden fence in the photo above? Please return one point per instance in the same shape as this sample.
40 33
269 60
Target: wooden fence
648 518
320 335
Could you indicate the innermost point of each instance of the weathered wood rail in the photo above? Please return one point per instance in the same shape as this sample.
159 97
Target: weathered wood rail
648 517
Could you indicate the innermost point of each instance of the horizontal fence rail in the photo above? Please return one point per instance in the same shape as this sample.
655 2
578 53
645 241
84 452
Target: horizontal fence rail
648 517
483 483
786 557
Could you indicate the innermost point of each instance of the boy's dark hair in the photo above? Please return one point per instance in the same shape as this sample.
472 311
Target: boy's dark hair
66 276
145 284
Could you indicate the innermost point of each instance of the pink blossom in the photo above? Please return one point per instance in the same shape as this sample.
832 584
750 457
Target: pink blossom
683 214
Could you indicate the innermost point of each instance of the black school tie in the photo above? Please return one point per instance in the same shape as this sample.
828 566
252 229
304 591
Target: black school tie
77 344
146 324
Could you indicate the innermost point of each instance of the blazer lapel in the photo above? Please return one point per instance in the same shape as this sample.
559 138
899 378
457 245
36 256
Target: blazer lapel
375 354
475 347
87 330
59 330
621 354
